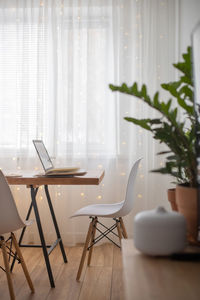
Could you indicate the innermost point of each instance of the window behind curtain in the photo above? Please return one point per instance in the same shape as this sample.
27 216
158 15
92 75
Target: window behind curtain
55 66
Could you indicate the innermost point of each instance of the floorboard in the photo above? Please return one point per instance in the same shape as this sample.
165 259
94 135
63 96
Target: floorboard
102 280
117 291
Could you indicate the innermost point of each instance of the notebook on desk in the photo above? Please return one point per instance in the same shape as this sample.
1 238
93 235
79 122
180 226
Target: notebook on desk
48 166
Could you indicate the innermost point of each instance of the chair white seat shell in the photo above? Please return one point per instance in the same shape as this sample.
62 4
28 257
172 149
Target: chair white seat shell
10 221
115 211
100 210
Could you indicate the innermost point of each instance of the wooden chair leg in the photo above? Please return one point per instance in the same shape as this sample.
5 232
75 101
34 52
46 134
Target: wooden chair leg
119 231
92 241
85 250
7 269
124 232
26 273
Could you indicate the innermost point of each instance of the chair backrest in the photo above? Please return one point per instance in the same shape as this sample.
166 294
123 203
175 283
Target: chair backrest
9 217
128 202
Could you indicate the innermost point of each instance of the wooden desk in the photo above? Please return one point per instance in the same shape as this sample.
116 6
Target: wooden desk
92 177
158 278
33 182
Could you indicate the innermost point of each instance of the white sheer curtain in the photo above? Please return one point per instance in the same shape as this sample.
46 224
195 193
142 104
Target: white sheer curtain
56 61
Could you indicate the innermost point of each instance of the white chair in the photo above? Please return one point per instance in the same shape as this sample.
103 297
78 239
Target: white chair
115 211
9 222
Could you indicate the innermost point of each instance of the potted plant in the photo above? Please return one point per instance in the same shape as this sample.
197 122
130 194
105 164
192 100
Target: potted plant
177 133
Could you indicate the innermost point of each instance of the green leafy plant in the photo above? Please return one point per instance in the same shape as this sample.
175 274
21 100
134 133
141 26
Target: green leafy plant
175 132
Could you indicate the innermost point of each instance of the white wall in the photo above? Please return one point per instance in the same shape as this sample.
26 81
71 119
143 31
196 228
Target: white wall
189 16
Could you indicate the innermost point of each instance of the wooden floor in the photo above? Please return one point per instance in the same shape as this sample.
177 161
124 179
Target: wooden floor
102 280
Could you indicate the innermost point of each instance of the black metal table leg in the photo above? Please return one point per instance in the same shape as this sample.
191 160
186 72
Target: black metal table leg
40 230
55 223
22 233
44 247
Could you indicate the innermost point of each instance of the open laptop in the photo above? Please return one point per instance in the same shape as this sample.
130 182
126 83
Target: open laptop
48 165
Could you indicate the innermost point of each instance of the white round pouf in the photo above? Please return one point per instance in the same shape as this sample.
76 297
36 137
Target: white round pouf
159 232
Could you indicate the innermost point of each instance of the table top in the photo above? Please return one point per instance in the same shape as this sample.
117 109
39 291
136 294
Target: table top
92 177
154 278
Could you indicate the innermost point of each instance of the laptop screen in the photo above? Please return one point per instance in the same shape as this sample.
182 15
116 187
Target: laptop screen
43 154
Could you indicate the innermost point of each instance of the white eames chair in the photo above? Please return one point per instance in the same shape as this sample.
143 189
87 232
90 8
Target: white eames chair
115 211
9 222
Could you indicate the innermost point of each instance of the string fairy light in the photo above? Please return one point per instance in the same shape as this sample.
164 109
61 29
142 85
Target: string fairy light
162 3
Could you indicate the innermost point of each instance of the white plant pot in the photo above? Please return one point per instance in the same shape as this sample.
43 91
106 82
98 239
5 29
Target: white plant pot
159 232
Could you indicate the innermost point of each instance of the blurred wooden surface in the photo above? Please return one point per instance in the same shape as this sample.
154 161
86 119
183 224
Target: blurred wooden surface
151 278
